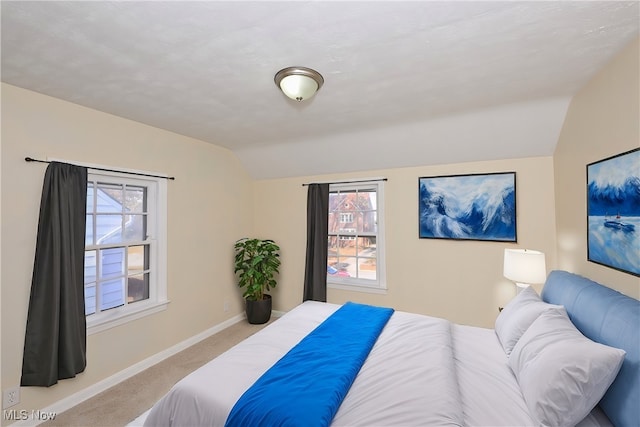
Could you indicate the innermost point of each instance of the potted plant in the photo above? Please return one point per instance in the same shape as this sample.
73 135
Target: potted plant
256 264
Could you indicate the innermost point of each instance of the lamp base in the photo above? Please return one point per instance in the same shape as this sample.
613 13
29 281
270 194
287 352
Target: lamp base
520 287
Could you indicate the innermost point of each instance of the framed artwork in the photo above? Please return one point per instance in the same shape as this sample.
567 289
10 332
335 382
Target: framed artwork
613 212
468 207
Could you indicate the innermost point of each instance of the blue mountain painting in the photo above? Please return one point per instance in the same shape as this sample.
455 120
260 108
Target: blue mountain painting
473 207
608 198
613 209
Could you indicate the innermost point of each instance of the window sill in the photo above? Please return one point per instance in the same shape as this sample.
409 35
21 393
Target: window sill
111 320
356 288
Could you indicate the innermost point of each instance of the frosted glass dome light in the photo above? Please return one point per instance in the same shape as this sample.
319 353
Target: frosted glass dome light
299 83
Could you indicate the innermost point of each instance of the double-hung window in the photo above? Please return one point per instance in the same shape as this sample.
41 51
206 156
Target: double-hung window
125 248
356 237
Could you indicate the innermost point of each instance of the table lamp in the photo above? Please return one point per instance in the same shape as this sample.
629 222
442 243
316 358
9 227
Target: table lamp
525 267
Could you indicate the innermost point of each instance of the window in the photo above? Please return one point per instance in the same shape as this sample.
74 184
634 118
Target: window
125 249
355 240
346 217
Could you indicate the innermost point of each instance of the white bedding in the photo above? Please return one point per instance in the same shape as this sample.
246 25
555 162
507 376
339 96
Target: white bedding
422 371
489 390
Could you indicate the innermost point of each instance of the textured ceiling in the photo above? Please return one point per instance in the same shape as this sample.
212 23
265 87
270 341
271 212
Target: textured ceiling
205 69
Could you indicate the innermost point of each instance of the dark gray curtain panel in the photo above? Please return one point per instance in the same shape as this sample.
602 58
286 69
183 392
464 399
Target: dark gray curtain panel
315 274
55 340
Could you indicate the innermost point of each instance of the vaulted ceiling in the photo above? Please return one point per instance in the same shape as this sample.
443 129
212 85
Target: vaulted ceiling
406 83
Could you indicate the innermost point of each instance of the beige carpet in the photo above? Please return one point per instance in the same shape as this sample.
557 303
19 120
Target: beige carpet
124 402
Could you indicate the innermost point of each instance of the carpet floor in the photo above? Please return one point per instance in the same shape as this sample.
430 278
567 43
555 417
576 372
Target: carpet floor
124 402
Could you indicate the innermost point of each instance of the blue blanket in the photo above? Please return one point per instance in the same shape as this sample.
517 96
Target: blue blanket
307 386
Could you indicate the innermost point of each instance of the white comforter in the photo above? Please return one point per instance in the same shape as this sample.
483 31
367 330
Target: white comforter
411 377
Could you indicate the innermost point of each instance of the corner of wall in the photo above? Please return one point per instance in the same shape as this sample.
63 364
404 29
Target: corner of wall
602 121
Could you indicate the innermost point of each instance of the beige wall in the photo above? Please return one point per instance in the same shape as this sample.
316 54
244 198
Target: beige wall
459 280
209 207
603 120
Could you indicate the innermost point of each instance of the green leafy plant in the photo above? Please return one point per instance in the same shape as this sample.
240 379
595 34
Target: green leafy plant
256 264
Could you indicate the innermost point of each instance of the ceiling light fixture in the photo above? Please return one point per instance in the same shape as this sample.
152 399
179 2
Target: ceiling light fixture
298 83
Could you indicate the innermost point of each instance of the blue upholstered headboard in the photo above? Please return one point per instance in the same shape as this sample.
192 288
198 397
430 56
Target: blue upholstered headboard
610 318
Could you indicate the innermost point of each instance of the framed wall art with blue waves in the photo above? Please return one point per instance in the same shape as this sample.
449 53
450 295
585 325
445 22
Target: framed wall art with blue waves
613 212
468 207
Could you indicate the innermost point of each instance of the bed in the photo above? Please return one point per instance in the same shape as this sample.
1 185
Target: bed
534 368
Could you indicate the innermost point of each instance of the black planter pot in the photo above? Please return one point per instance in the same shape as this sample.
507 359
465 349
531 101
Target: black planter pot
259 312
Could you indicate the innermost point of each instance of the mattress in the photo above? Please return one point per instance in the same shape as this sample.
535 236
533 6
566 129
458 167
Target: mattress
422 371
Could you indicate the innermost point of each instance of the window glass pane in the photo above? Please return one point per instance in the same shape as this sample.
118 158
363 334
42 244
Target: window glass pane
334 223
343 266
336 201
135 228
370 222
111 262
89 267
88 234
135 199
333 246
366 246
138 287
112 294
365 200
367 258
108 229
109 197
90 299
90 194
138 259
332 249
367 268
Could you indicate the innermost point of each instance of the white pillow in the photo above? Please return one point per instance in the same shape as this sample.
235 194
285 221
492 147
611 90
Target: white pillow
562 374
518 315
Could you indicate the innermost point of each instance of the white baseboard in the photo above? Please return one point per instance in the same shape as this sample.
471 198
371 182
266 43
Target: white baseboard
87 393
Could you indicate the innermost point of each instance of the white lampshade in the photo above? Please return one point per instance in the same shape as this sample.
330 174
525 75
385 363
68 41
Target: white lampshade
299 83
524 266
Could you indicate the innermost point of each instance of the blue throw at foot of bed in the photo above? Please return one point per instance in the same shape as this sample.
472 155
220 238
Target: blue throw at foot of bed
307 386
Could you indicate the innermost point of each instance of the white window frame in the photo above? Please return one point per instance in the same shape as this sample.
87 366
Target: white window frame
157 234
378 286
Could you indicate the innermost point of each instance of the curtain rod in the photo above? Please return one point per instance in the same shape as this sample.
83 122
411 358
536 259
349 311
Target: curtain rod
349 182
29 159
